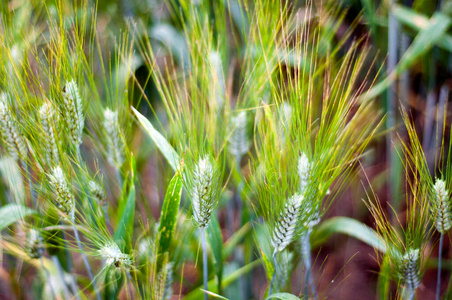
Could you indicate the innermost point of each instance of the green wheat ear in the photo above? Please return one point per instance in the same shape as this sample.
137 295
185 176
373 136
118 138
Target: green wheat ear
74 112
440 206
285 229
113 256
15 142
63 196
409 270
48 122
203 193
115 148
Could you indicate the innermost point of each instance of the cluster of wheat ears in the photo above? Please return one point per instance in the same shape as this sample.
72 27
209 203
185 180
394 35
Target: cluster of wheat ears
262 141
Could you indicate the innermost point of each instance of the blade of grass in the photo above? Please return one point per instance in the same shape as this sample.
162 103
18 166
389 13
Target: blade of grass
168 216
168 152
349 227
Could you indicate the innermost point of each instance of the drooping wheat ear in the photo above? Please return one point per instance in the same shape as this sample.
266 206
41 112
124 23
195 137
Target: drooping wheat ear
284 231
114 257
73 112
48 117
238 142
97 192
165 281
34 244
15 142
304 172
63 195
114 145
441 206
409 270
203 195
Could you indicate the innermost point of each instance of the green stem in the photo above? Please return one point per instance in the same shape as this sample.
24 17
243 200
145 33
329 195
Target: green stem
440 252
85 260
272 282
46 272
306 252
204 262
57 264
30 182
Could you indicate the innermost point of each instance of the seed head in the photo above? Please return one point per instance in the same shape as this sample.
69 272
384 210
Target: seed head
34 246
409 269
284 231
47 114
441 206
63 196
238 142
15 142
97 192
73 112
304 172
165 281
114 257
114 145
202 192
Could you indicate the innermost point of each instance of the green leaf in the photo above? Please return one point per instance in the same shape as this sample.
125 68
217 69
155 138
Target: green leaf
424 41
12 213
163 145
282 296
214 295
216 244
173 41
349 227
418 22
233 241
123 234
197 293
384 279
168 216
268 266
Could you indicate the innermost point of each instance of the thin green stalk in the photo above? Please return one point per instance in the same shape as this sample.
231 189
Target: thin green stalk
309 281
46 272
57 264
204 262
440 252
85 260
30 182
272 282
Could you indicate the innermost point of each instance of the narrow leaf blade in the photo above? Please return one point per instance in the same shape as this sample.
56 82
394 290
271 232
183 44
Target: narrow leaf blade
168 216
167 150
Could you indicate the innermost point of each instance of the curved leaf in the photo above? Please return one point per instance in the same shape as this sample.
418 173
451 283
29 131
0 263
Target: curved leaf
197 293
12 213
349 227
163 145
282 296
168 216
